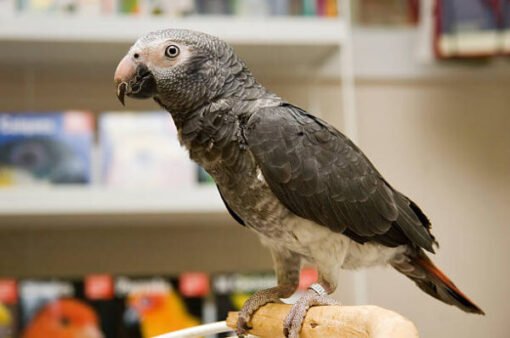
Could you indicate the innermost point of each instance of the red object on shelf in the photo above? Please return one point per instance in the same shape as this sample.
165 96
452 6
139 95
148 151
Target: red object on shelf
8 291
194 284
99 287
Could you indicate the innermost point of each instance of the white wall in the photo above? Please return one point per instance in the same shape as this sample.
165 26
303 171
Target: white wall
447 145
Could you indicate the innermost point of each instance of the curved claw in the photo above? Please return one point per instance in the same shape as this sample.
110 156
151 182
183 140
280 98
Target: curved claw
242 327
256 301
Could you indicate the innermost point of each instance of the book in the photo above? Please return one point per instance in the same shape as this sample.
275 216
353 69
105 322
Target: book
309 7
251 8
157 305
82 7
232 290
331 8
142 150
203 176
505 18
8 308
214 7
172 8
279 7
468 28
42 148
384 12
56 308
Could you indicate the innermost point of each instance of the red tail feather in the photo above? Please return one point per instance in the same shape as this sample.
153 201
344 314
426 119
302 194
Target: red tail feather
433 281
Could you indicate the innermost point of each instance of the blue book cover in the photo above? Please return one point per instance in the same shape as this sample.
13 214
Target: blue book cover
45 148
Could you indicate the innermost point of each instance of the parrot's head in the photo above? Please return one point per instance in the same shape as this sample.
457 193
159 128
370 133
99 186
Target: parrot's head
64 318
180 69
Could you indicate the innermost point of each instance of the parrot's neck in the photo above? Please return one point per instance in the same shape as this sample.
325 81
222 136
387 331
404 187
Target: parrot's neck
213 133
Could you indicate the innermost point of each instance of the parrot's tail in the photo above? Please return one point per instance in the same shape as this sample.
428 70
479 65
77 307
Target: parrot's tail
419 268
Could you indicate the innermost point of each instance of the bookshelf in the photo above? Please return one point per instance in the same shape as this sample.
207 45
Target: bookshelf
275 31
271 46
102 206
70 200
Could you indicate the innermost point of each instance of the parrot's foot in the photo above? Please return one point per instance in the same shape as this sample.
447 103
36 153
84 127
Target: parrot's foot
259 299
314 296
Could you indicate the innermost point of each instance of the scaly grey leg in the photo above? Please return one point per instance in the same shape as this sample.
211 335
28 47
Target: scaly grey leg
287 267
317 294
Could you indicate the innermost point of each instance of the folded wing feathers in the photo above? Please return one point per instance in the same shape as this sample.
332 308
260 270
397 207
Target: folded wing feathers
319 174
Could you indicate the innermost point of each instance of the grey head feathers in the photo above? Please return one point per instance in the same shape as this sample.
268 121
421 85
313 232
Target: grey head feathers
209 69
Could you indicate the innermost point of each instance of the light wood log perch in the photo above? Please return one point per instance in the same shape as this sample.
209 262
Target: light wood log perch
331 321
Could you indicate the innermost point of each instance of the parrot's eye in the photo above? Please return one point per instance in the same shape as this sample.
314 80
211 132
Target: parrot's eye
172 51
64 321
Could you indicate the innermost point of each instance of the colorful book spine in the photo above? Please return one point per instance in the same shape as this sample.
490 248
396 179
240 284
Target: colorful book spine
279 7
309 7
331 8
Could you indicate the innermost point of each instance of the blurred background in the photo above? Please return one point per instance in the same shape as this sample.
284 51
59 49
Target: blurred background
103 217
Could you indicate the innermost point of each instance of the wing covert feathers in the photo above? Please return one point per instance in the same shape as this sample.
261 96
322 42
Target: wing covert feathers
319 174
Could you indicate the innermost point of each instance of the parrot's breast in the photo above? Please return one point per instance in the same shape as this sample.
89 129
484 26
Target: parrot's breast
279 228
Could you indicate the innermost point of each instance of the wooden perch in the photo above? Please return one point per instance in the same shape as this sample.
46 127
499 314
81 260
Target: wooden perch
332 321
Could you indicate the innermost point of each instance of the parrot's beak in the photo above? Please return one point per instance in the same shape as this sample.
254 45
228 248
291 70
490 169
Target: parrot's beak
134 80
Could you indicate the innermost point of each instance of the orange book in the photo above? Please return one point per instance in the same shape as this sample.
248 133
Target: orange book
331 8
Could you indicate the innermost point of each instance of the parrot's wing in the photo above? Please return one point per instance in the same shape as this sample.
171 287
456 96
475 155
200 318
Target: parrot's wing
320 175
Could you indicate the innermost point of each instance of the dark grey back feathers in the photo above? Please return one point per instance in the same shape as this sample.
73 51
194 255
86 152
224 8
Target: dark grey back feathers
319 174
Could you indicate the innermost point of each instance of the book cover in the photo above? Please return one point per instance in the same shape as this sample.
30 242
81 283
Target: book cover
467 28
172 8
86 7
8 308
37 6
231 290
203 176
296 7
129 6
505 18
142 150
309 7
56 308
279 7
157 305
252 8
213 7
45 148
331 8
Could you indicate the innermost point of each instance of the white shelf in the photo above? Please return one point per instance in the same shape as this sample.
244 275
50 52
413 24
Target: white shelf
125 29
271 46
75 200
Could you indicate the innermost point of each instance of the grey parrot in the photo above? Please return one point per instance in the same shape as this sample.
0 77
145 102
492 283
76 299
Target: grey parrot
303 187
